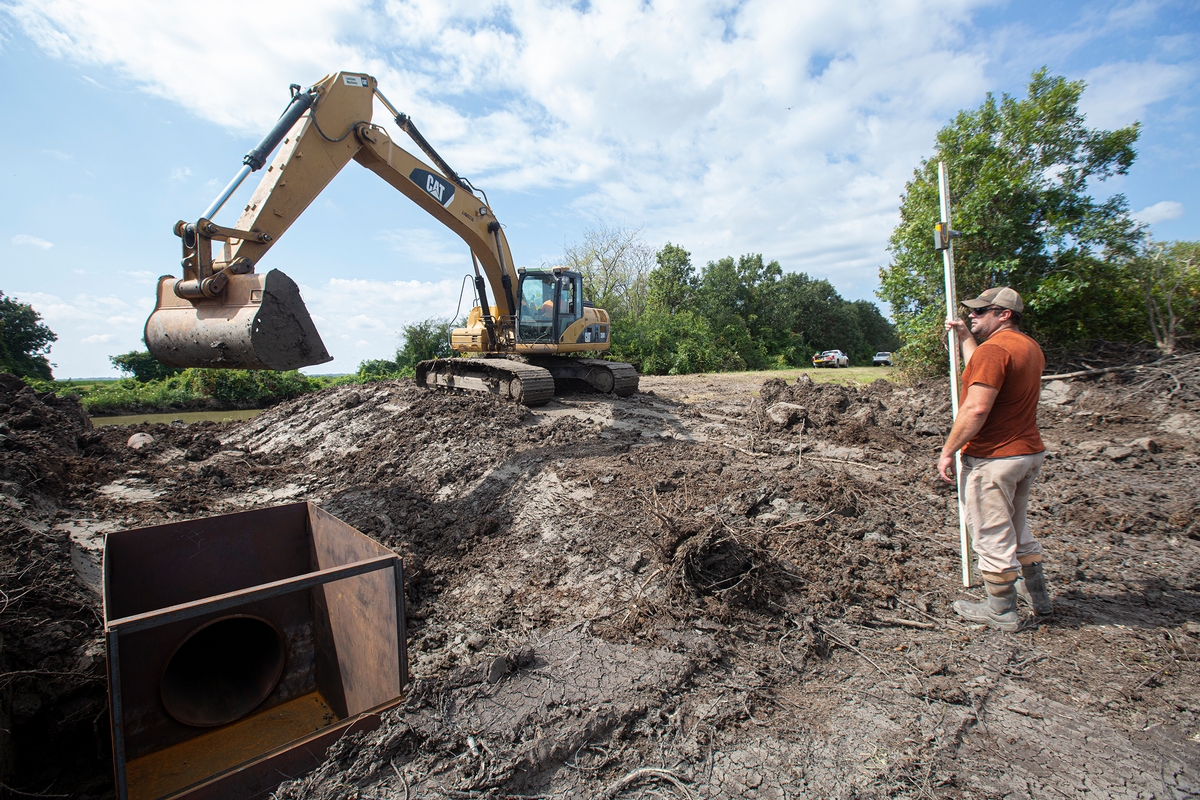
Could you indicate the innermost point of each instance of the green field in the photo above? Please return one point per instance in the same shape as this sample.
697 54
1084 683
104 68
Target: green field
79 386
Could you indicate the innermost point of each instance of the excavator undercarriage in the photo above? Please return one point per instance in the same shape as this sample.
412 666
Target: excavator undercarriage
533 381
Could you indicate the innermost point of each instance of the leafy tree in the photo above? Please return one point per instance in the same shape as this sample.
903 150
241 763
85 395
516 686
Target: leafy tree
422 341
142 366
1019 175
672 284
878 333
1168 275
743 313
736 298
24 340
674 344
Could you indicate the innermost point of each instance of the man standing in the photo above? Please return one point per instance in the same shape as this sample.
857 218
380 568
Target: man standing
997 423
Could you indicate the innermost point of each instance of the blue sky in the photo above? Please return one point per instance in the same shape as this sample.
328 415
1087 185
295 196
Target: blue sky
773 127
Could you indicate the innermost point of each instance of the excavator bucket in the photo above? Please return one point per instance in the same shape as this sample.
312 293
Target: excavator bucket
258 322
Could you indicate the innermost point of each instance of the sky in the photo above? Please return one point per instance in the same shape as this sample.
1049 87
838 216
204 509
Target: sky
768 126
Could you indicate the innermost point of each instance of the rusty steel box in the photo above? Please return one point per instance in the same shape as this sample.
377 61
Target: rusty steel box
241 646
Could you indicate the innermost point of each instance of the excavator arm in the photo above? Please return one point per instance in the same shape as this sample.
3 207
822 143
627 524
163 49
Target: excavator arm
224 314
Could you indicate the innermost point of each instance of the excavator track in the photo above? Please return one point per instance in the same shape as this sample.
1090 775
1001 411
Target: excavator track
512 380
609 377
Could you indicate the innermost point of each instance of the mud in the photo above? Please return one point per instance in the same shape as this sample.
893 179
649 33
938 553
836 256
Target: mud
719 587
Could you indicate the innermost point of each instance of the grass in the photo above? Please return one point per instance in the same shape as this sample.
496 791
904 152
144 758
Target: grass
192 389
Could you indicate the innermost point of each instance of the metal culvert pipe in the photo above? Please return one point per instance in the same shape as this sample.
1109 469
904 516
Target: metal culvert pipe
222 671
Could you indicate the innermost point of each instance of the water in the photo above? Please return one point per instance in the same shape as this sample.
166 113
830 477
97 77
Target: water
183 416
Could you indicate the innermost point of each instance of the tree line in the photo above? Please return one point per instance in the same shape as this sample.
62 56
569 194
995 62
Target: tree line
668 317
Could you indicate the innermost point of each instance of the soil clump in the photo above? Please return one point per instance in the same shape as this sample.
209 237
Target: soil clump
696 591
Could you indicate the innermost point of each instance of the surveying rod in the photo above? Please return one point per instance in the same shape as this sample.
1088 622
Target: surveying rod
944 238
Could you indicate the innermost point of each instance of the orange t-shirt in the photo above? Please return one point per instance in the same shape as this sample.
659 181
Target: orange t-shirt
1011 362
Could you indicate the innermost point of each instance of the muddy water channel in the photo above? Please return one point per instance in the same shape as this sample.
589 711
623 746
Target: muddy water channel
181 416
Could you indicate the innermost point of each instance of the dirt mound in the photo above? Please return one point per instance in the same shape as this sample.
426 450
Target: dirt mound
52 691
878 414
701 590
42 437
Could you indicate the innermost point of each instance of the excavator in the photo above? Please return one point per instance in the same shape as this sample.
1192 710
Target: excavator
223 313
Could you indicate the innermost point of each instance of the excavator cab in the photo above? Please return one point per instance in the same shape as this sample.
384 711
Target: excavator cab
550 302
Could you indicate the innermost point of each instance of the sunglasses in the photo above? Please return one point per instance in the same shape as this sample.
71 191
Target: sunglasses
979 312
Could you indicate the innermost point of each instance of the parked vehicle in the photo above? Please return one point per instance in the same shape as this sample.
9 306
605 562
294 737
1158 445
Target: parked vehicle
882 359
831 358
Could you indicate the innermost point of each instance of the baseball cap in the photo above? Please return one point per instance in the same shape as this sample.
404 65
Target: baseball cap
1001 296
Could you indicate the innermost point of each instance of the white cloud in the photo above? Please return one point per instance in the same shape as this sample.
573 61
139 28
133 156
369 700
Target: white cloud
180 173
86 320
142 277
32 241
674 114
169 48
360 319
428 246
1118 93
1162 211
729 127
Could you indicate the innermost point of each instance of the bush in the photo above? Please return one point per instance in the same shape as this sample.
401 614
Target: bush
422 341
675 344
197 388
382 370
142 366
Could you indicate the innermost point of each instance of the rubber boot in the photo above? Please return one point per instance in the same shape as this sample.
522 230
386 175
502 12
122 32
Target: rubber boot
998 611
1031 587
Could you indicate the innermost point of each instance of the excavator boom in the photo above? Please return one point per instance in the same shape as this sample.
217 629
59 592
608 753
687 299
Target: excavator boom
223 313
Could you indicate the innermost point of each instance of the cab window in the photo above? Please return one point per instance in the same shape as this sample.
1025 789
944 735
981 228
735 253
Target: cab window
568 301
536 314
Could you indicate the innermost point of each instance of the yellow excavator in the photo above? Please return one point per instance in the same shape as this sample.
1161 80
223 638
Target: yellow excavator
224 314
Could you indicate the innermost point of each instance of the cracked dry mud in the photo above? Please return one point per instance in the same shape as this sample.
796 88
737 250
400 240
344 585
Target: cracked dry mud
719 587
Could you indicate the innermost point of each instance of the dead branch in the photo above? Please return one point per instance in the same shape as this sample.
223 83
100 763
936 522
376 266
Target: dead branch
647 772
906 623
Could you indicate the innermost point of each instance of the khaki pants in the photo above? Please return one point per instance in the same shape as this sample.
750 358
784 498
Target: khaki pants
995 493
